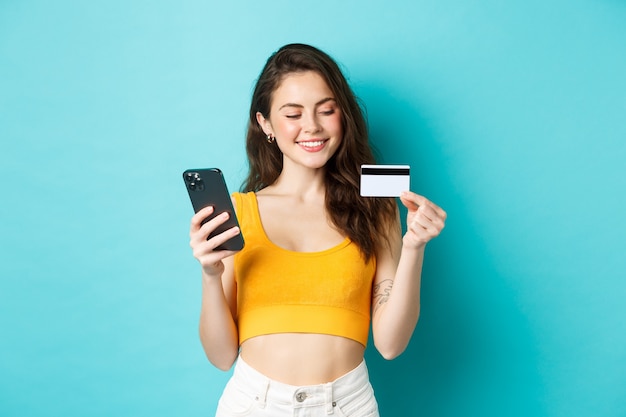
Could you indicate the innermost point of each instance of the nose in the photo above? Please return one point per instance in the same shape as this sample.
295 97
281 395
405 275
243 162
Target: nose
311 123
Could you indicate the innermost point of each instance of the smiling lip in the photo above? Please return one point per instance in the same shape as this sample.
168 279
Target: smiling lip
313 145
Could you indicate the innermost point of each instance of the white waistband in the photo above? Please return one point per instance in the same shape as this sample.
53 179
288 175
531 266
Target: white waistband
264 388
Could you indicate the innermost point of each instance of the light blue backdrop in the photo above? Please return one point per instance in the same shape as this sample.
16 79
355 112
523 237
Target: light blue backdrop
512 115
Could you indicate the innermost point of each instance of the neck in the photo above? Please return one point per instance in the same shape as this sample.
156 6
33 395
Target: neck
302 183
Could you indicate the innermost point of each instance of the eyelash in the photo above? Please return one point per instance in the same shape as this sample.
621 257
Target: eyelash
324 113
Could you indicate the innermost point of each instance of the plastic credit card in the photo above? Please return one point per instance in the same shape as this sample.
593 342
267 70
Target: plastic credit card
384 180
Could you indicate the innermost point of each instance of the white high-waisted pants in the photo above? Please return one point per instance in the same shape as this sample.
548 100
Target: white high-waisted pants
250 393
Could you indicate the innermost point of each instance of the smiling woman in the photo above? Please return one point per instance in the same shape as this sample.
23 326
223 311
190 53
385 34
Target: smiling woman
304 116
512 117
320 262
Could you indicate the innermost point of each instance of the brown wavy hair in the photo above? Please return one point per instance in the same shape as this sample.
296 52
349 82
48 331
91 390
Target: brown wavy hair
366 221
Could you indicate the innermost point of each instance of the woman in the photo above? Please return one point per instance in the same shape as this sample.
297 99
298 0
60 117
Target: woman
293 308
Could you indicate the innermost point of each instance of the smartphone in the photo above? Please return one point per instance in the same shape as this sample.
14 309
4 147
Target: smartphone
207 187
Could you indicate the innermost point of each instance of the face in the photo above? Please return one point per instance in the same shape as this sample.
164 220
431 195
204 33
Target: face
305 120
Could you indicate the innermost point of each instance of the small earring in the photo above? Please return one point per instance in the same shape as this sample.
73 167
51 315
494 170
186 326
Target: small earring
270 138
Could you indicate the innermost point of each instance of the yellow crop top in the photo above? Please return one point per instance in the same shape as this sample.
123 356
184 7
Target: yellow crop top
282 291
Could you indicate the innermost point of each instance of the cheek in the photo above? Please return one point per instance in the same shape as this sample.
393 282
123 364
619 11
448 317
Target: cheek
284 128
335 125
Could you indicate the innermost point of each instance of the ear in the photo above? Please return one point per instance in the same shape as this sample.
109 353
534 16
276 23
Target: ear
264 123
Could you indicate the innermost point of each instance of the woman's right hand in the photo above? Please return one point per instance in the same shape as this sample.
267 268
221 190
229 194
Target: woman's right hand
203 249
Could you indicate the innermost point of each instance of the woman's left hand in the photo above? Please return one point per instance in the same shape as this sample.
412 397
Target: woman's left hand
425 220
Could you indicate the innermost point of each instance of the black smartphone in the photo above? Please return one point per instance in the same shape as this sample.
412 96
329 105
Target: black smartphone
207 187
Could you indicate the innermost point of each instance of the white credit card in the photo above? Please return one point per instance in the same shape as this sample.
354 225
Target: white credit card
384 180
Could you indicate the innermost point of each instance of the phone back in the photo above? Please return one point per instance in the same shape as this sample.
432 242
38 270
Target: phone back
207 187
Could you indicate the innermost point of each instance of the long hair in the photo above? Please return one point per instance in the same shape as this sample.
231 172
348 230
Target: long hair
366 221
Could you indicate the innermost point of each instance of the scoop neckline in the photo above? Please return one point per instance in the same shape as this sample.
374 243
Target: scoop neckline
346 241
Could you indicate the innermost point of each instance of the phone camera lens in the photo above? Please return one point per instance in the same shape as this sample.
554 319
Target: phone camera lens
194 181
191 177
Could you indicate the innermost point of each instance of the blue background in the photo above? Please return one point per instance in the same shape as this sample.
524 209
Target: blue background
512 115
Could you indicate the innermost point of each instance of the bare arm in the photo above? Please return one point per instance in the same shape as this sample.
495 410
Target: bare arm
218 331
396 291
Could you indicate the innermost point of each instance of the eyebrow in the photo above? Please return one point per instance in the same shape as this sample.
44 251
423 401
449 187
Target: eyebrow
319 103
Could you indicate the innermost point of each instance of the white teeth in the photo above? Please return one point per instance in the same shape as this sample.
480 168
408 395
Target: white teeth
312 144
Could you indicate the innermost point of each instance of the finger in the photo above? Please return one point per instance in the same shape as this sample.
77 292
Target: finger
408 202
207 254
198 218
419 200
208 227
423 233
422 220
427 212
205 250
218 240
413 199
199 234
440 212
427 203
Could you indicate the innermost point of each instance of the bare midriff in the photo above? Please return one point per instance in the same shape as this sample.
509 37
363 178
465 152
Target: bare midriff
302 358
